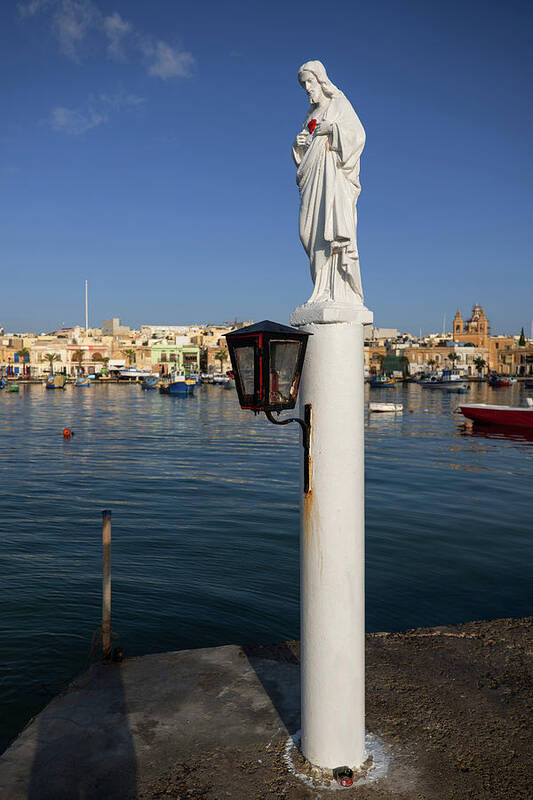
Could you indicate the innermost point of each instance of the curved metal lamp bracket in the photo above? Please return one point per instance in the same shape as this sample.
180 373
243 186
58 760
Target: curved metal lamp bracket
305 425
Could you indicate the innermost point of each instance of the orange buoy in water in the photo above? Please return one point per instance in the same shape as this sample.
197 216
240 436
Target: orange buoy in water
67 433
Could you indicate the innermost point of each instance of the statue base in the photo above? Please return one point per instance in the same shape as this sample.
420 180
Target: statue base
329 312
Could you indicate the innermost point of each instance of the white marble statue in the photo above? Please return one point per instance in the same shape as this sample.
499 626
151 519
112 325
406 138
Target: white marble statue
327 152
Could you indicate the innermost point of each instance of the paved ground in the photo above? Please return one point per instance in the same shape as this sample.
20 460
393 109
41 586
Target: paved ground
452 706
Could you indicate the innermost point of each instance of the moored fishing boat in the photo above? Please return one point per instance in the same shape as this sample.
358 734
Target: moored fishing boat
450 381
56 382
381 381
177 383
512 416
497 381
151 382
82 382
134 373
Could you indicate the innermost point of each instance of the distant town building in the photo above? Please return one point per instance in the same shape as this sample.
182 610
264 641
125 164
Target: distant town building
475 330
112 327
167 331
373 334
167 357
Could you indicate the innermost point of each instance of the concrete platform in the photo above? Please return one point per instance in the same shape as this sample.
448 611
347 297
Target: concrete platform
452 705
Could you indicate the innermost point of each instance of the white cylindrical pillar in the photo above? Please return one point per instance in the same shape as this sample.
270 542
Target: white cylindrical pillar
332 548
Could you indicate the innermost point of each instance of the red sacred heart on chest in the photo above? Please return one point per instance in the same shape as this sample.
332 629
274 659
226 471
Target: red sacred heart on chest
311 125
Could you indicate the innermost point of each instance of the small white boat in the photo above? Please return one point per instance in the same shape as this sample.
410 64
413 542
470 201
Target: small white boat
134 372
384 407
220 378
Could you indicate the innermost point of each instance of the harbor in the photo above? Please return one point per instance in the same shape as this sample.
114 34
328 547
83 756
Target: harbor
266 403
204 496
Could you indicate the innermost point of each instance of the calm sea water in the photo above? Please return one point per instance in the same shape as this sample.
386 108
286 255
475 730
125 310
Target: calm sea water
204 499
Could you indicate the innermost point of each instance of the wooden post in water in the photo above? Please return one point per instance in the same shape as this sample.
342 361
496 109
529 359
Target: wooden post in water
106 586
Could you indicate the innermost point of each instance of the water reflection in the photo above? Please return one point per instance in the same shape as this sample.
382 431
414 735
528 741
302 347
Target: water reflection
205 504
508 432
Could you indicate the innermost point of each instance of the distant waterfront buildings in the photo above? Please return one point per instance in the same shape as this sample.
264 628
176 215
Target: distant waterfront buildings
163 348
469 348
75 351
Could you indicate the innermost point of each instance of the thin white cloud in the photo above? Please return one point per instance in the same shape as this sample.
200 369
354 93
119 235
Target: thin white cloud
120 99
31 8
95 112
165 61
75 121
73 21
117 30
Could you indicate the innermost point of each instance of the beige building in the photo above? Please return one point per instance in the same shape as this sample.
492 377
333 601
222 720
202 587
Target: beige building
507 357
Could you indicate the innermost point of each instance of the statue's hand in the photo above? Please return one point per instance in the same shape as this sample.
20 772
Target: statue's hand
301 139
323 129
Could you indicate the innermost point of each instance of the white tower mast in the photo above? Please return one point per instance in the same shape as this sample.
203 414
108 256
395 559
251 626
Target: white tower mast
86 310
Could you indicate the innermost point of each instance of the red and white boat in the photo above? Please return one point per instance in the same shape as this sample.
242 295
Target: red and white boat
515 416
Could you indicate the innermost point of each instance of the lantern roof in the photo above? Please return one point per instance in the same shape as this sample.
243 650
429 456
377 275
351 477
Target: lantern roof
267 326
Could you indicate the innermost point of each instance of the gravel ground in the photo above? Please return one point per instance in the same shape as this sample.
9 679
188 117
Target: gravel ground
452 705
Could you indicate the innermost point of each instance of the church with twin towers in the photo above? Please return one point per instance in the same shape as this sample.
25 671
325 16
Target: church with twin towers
475 330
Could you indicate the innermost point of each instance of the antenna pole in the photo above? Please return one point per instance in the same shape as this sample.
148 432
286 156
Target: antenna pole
86 310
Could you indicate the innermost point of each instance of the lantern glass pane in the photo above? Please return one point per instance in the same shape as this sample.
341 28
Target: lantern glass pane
283 385
246 368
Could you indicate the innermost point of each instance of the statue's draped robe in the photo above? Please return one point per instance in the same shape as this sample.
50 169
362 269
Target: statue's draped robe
328 180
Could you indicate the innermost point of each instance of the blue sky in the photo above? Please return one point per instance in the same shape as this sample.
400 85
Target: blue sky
146 146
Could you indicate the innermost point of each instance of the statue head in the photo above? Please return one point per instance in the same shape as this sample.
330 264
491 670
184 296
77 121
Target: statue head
314 79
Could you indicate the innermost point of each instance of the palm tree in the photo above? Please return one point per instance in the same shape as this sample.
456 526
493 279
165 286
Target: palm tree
221 356
51 357
130 355
77 356
105 361
431 363
480 363
22 356
453 358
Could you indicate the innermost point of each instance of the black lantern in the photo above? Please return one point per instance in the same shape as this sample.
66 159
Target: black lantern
267 360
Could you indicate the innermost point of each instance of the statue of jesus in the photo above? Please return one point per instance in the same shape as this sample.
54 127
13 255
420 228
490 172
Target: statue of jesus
327 152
